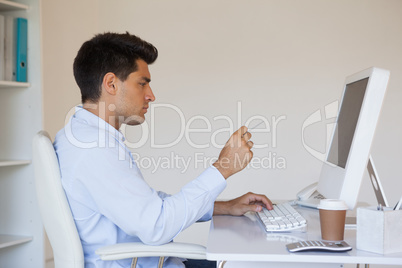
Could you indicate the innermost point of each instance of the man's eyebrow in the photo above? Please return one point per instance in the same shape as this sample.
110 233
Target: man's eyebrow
146 79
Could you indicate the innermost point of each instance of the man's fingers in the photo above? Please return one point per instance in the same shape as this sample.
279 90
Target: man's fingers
250 144
254 208
243 130
257 208
267 203
248 202
246 136
261 198
265 200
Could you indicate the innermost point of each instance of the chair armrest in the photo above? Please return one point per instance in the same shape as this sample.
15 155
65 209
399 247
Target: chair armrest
138 249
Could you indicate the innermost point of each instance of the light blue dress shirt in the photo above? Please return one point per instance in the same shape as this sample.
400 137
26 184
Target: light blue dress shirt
110 200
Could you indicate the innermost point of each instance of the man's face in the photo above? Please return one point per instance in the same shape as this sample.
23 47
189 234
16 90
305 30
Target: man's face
135 95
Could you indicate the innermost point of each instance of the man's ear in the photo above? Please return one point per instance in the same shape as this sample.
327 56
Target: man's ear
110 83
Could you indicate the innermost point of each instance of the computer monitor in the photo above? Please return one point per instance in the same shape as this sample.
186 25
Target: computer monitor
349 147
349 150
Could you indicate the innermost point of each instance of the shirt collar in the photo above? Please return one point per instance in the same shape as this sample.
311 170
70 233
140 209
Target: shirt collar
96 121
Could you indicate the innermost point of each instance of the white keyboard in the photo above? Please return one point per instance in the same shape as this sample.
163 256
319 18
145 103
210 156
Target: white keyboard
283 218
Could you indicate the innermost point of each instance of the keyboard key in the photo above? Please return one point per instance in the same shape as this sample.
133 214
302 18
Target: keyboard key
301 220
287 222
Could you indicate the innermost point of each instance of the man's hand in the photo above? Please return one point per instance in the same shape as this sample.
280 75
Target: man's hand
242 204
236 154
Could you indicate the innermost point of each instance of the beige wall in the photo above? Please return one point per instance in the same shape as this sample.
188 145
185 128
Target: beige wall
277 58
66 24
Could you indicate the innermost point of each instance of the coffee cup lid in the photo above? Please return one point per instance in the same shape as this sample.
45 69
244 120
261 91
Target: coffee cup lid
332 204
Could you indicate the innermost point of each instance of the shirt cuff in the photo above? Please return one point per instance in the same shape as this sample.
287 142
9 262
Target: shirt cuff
216 183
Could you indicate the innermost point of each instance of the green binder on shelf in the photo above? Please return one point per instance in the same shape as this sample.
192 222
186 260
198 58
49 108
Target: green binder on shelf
21 49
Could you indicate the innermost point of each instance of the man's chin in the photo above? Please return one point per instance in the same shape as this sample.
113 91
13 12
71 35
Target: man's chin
134 120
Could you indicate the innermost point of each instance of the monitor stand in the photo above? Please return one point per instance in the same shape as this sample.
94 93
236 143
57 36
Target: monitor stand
375 181
378 190
315 196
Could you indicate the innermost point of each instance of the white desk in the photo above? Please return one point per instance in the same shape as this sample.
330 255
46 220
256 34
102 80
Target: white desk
243 239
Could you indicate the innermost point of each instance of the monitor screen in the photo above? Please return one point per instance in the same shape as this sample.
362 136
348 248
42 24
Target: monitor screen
346 122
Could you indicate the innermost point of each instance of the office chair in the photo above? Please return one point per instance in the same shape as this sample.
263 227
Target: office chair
60 226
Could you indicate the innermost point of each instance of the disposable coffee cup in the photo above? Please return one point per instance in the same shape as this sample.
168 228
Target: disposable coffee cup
332 219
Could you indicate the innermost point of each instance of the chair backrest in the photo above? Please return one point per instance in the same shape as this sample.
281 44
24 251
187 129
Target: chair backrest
53 205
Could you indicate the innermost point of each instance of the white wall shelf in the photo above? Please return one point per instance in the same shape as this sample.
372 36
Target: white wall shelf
7 163
12 84
9 6
21 229
13 240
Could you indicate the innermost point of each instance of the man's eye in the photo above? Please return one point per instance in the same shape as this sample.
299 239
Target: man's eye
143 84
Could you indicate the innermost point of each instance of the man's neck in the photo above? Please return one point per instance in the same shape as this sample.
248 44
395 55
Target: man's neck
101 110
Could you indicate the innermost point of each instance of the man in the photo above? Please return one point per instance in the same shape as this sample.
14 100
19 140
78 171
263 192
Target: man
109 198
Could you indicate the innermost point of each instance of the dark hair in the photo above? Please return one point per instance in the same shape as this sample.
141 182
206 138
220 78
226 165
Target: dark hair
109 52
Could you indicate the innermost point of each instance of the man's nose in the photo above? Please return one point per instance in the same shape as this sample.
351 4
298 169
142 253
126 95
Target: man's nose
150 95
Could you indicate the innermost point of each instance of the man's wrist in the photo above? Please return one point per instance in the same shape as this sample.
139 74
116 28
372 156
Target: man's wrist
224 171
221 208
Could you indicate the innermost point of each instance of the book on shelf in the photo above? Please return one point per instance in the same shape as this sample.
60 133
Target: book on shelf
14 54
9 58
2 41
